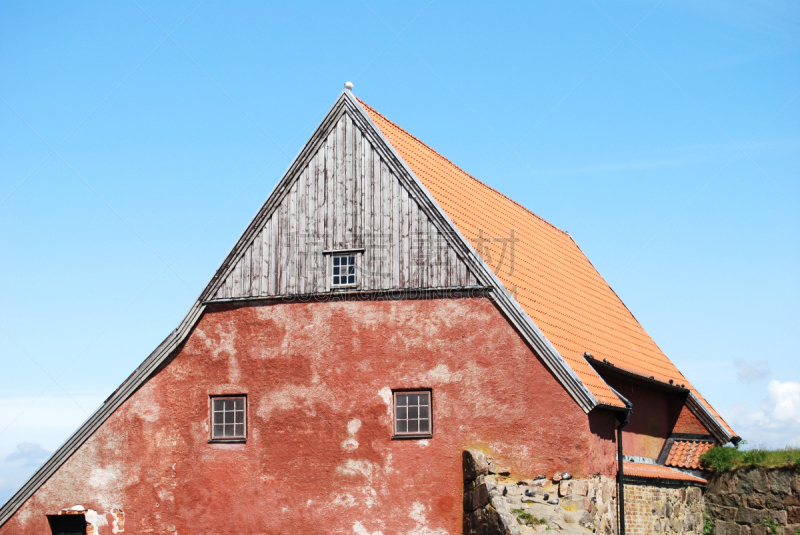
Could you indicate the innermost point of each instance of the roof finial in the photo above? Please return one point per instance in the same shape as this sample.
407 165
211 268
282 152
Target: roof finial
348 86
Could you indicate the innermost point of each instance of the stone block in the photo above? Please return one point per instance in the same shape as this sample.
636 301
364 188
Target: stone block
576 503
474 464
722 483
580 488
476 497
721 512
498 503
791 529
506 524
694 521
751 479
791 500
780 481
760 529
756 501
750 516
731 500
779 516
774 501
564 487
659 508
495 468
793 515
727 528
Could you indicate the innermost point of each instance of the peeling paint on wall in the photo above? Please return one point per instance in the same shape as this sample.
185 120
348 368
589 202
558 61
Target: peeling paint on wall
318 378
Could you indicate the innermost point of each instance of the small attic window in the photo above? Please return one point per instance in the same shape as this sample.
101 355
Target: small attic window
344 270
228 418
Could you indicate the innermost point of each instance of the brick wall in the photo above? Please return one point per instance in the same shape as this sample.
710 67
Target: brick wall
663 510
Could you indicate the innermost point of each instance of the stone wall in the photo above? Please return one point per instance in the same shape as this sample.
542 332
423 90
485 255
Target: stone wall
663 510
497 504
750 500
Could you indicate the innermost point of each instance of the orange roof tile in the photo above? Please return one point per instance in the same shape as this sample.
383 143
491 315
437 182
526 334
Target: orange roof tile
656 471
686 453
553 281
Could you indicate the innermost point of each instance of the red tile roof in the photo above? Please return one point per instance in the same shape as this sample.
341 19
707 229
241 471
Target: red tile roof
686 453
553 281
656 471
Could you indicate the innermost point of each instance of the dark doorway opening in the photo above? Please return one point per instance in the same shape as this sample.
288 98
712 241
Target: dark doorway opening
67 524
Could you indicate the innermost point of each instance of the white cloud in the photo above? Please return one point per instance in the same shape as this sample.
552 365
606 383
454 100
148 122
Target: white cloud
776 422
747 371
29 452
29 427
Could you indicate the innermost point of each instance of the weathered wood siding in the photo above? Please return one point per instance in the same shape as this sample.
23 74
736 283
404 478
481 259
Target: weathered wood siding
345 197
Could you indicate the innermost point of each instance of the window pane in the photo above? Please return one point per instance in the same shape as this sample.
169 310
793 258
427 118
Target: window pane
413 413
413 426
239 430
219 417
351 279
402 426
423 412
423 399
336 271
402 400
336 280
218 405
335 260
229 404
402 413
228 430
218 431
239 417
412 399
423 426
239 404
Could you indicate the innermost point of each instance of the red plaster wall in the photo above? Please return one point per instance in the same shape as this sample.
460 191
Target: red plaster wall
651 420
688 423
603 442
319 457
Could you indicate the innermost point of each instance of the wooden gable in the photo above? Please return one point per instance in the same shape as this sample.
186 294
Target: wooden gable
342 194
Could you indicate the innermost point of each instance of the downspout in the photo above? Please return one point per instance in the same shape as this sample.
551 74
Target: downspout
623 417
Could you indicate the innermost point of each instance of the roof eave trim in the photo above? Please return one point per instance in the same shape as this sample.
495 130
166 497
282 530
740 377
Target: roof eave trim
666 481
708 419
500 295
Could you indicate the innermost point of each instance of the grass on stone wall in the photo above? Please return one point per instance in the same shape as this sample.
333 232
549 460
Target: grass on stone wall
528 519
726 458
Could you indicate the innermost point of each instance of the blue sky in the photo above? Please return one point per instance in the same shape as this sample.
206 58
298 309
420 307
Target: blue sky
137 139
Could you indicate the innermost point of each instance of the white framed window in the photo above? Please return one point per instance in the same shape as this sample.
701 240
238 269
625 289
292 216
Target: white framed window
413 414
228 418
344 270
